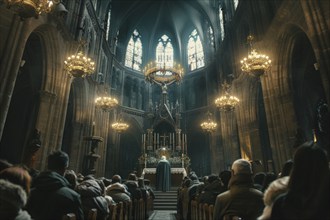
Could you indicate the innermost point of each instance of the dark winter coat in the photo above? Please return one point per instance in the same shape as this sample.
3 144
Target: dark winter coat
240 200
118 193
92 196
51 198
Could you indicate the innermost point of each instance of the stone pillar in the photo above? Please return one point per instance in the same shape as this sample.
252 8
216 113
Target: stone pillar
10 64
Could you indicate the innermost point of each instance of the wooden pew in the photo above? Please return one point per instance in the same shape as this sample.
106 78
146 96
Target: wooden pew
92 214
69 216
194 210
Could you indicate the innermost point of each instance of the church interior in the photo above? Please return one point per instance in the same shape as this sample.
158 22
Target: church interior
118 84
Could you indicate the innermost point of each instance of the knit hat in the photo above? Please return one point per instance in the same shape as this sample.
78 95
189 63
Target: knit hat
241 166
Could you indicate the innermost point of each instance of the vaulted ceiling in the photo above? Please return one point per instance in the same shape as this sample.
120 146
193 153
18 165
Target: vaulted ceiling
153 18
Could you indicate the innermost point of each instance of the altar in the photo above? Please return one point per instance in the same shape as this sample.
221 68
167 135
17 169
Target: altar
177 175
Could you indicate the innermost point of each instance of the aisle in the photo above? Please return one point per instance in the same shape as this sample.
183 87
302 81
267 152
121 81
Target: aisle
163 215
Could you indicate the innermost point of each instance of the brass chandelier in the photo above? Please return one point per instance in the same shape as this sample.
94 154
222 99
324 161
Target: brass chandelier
209 125
163 74
120 126
30 8
226 102
79 65
256 63
106 103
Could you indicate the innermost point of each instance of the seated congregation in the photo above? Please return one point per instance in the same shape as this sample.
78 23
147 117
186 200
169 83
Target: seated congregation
60 194
300 191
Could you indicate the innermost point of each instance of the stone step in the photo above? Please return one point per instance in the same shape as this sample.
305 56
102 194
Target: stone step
165 200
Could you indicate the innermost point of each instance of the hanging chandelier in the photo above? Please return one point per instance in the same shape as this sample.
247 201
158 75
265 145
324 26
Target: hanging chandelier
255 63
209 125
226 102
106 103
30 8
119 126
162 74
79 65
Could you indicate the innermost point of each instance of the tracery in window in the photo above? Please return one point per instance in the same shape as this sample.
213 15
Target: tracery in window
222 27
195 51
134 52
164 52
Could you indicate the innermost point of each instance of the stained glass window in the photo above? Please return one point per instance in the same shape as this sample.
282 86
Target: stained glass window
235 3
108 25
195 51
164 52
222 27
134 52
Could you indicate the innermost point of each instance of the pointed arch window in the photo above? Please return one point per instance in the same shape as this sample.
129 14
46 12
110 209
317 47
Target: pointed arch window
195 51
222 26
134 52
211 36
164 52
235 4
108 25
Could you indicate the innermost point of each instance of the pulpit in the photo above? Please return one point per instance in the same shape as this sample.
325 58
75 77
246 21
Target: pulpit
177 175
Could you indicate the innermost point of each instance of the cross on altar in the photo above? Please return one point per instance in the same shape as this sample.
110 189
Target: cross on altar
164 136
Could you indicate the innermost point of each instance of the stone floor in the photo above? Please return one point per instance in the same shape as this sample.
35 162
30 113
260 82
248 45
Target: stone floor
163 215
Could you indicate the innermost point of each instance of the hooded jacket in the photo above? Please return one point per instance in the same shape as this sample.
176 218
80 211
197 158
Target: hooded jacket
51 198
118 193
92 196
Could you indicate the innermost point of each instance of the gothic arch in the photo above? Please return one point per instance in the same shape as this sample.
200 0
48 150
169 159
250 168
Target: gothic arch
130 141
300 77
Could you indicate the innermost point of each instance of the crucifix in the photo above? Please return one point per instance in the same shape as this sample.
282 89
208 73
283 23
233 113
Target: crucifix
164 136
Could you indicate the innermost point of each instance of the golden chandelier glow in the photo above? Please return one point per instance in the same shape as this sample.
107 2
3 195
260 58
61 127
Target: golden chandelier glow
30 8
79 65
209 125
106 103
226 102
120 126
255 63
154 72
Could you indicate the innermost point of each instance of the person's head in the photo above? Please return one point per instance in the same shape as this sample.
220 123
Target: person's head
116 179
163 158
259 178
146 182
58 161
141 182
310 168
241 166
18 176
107 182
287 167
213 177
71 177
193 176
225 177
132 176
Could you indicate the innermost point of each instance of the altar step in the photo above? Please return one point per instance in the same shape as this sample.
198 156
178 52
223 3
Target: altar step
165 200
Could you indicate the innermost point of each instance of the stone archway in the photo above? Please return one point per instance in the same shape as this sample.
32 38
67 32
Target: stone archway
305 84
23 111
